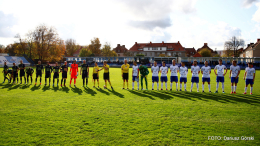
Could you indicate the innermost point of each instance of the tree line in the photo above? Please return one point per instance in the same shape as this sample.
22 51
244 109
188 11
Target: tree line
44 43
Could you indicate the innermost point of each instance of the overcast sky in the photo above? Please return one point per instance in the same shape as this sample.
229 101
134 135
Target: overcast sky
192 22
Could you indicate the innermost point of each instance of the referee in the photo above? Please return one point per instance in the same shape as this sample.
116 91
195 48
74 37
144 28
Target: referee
125 71
106 74
85 73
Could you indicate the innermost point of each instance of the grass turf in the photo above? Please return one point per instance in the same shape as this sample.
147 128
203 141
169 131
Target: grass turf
40 115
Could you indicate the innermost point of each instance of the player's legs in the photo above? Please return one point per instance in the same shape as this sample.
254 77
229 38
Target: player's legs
74 81
106 83
146 82
83 81
209 86
203 86
98 82
251 89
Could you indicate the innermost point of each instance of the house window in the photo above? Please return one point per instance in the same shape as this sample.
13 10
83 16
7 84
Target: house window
118 54
140 49
160 48
145 54
154 48
169 54
148 48
169 48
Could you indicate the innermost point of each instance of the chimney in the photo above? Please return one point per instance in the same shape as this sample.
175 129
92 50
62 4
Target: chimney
162 42
136 43
150 42
123 46
258 40
248 45
118 45
205 44
178 42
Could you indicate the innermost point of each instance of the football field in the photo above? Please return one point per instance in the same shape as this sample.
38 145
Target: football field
47 115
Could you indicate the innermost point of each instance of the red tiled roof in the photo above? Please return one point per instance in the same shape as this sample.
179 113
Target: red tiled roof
77 52
190 51
174 46
197 55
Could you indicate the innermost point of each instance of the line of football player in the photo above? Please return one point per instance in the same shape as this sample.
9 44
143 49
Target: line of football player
220 70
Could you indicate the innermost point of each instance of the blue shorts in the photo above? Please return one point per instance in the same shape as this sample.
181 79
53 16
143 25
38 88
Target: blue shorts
174 79
249 81
164 79
195 79
234 80
206 80
155 79
183 80
220 79
135 79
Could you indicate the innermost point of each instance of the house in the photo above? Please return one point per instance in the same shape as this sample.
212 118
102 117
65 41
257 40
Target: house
252 50
221 52
155 49
197 55
120 50
190 52
205 46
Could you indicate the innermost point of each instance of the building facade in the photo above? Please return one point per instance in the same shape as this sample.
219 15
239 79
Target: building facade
121 51
158 49
252 50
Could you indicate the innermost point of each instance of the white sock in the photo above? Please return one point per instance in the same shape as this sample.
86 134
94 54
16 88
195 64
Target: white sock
137 85
180 86
171 85
185 86
133 84
245 89
232 88
235 88
157 85
176 86
191 86
166 85
251 89
202 87
198 86
152 85
209 86
162 85
217 86
223 86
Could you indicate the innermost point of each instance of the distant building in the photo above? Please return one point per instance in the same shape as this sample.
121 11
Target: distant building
120 50
190 52
76 54
252 50
156 49
197 55
205 46
220 52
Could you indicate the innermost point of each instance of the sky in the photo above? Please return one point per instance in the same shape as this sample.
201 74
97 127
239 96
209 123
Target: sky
191 22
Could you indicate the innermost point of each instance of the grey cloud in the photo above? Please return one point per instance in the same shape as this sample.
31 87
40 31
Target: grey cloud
7 21
150 25
248 3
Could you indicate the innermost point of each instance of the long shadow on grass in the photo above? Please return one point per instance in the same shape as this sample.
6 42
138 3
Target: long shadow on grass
56 88
36 87
90 91
116 93
103 91
65 89
76 90
6 85
13 87
141 94
223 98
159 94
45 88
25 86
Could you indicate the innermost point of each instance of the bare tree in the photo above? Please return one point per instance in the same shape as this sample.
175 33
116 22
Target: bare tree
232 45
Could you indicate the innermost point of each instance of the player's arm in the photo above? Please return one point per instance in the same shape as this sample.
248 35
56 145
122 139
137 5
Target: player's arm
178 70
245 74
254 77
238 73
215 71
201 71
230 73
122 70
225 72
80 70
70 70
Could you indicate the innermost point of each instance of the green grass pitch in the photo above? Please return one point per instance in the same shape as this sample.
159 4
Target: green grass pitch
43 115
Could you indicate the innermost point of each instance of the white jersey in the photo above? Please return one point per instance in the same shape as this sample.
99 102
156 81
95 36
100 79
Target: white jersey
220 70
250 73
206 71
174 70
164 71
235 70
195 71
155 70
135 70
183 72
